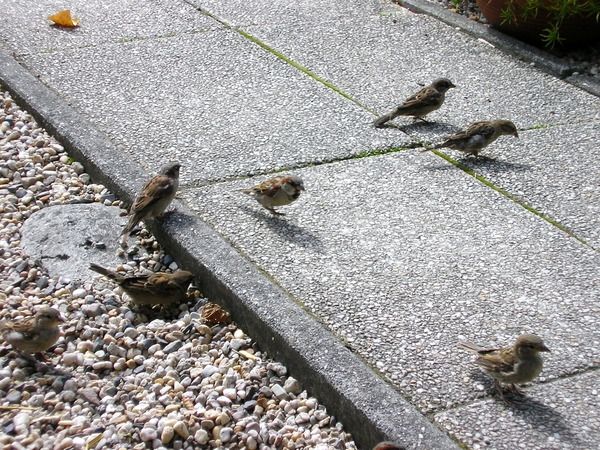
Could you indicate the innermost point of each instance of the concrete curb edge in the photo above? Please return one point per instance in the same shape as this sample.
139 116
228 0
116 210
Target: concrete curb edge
545 61
370 408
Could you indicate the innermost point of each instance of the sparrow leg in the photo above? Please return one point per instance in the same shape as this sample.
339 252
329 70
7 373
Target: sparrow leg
168 213
277 213
513 388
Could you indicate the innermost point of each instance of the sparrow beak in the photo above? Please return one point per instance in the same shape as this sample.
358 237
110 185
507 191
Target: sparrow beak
543 348
301 187
60 319
451 85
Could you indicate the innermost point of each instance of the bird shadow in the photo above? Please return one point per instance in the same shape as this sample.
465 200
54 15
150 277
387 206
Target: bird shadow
444 129
537 414
543 418
286 229
493 165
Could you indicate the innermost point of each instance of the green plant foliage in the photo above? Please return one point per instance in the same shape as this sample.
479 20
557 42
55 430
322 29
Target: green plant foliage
557 10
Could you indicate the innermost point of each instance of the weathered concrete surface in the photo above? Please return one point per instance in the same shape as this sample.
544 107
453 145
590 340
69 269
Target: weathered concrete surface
66 238
554 170
398 256
559 415
217 101
429 257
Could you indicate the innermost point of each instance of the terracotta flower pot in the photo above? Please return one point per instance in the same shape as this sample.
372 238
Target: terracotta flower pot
574 29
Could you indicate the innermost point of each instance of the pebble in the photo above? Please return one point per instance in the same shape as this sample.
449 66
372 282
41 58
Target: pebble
162 383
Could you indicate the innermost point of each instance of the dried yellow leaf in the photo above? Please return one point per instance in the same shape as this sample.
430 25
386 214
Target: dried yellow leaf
64 19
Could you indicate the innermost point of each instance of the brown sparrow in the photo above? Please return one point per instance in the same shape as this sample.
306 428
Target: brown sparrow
33 334
475 137
514 365
422 103
388 446
159 288
158 192
278 191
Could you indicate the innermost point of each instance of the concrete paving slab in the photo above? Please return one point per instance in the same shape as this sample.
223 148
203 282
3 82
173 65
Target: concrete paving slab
382 60
558 415
300 12
217 102
404 255
367 405
100 22
554 170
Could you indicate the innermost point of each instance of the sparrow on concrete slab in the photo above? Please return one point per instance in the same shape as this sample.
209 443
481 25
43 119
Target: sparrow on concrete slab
514 365
33 334
278 191
159 288
475 137
156 195
422 103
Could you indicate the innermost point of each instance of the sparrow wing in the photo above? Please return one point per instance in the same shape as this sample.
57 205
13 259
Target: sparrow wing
154 190
137 283
425 97
485 129
25 327
271 187
497 360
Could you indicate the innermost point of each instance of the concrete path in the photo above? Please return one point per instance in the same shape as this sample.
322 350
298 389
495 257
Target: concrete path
393 253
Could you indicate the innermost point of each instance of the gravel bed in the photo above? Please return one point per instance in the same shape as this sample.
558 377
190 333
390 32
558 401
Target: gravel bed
587 56
119 377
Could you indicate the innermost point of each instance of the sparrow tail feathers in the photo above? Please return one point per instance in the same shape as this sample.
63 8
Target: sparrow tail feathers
383 119
471 346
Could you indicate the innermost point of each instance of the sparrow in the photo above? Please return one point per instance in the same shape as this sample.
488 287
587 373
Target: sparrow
278 191
388 446
33 334
159 288
514 365
475 137
422 103
158 192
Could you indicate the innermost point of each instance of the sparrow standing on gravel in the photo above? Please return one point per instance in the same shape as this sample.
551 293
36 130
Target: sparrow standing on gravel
33 334
475 137
514 365
159 288
422 103
158 192
278 191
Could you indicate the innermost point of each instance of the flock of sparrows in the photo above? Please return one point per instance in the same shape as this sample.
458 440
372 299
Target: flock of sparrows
514 365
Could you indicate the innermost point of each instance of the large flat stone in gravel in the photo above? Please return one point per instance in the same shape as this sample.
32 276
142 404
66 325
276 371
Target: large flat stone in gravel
64 238
217 102
554 170
382 60
558 415
404 255
100 22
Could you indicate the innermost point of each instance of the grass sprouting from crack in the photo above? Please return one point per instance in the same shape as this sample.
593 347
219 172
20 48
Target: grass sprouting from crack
507 194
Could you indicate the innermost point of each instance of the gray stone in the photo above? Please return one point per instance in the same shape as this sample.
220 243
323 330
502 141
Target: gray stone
14 397
55 236
292 386
172 347
279 392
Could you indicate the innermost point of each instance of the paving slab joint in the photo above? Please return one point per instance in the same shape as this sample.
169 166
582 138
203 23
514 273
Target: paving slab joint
513 197
370 409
